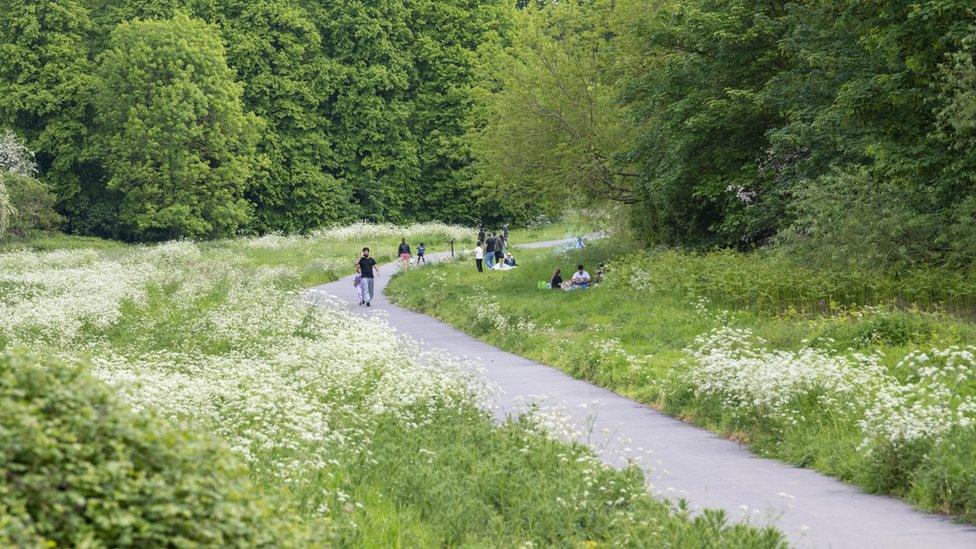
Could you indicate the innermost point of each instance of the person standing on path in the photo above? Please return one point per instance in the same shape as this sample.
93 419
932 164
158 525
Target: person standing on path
490 252
421 250
403 252
367 269
479 256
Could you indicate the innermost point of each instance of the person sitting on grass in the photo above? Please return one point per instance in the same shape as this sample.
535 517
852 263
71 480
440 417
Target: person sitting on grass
581 279
510 260
556 282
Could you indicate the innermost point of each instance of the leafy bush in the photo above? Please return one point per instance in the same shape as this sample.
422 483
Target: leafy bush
77 468
32 205
5 209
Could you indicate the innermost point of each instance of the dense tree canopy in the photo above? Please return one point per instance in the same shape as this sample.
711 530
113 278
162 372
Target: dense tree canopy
362 110
724 123
840 129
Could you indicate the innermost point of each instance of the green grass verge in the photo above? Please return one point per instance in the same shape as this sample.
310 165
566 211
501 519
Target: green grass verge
631 334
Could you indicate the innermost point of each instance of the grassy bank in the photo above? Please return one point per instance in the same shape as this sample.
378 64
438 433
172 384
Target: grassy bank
870 380
347 433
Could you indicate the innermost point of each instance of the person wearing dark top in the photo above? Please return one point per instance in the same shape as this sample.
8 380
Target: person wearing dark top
421 250
490 252
403 252
481 234
367 268
505 231
499 249
556 282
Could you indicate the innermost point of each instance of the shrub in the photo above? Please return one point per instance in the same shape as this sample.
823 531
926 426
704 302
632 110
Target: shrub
32 205
77 468
5 209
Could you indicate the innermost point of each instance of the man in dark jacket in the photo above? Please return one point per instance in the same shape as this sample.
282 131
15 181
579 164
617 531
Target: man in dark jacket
490 251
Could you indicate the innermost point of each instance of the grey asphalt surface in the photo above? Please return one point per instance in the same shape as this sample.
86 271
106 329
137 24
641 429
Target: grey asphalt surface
679 459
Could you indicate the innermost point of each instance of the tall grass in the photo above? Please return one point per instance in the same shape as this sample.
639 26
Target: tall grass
774 282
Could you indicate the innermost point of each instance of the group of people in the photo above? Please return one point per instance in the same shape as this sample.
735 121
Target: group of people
403 252
492 251
579 281
367 269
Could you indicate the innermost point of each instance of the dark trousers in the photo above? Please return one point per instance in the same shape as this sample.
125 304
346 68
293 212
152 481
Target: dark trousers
478 263
499 256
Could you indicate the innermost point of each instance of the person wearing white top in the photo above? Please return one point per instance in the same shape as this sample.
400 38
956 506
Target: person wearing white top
479 257
581 278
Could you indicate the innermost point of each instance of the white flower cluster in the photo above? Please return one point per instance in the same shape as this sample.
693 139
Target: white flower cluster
641 280
487 312
15 157
50 296
295 388
612 349
731 364
365 231
940 396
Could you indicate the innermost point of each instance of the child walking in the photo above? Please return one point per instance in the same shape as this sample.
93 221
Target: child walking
479 256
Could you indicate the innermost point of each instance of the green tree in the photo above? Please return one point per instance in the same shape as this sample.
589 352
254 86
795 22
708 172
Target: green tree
368 45
276 49
882 86
448 35
174 136
702 118
46 79
553 132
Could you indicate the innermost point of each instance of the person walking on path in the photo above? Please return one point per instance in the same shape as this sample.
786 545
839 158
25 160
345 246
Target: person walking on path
490 252
479 256
421 250
404 252
367 268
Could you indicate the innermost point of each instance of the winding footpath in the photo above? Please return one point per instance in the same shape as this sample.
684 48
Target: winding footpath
679 459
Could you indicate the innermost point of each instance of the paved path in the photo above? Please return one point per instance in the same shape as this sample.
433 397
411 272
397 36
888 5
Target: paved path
813 510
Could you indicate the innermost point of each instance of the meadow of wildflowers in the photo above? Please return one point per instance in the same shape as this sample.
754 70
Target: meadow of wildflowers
363 434
882 395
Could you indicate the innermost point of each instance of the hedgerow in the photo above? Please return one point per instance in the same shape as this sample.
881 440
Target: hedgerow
78 468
